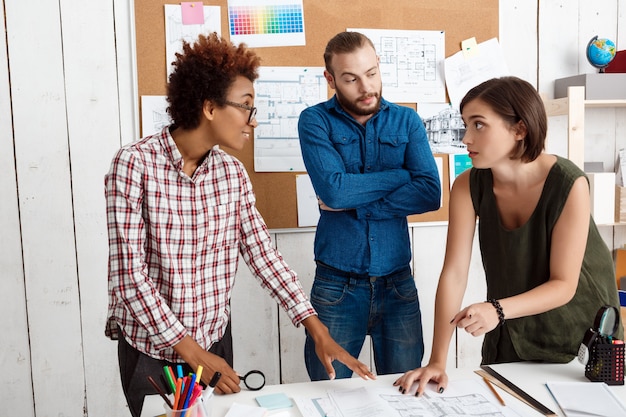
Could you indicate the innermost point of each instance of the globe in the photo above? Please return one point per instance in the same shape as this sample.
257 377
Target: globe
600 52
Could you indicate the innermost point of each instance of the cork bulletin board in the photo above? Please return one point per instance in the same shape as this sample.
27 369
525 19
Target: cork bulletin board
276 191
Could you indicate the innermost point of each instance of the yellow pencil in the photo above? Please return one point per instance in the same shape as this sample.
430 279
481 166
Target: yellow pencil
491 387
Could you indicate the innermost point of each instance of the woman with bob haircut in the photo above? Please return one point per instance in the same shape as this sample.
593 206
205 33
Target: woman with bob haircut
547 268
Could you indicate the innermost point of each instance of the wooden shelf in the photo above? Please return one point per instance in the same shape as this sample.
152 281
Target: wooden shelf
560 106
573 106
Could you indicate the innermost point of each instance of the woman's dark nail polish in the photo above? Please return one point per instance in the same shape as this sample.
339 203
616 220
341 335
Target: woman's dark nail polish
441 390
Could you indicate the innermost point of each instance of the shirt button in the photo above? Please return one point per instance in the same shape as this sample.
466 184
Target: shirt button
372 279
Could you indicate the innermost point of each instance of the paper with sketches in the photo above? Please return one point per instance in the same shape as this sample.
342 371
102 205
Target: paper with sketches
411 63
176 31
465 72
281 94
461 398
154 116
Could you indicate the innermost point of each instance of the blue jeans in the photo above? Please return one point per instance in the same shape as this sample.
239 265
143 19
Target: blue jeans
353 306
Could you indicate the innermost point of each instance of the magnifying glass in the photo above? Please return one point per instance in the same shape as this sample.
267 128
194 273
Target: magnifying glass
604 325
607 321
253 380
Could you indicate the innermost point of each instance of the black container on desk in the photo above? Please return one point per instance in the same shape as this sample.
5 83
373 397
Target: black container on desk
604 360
606 363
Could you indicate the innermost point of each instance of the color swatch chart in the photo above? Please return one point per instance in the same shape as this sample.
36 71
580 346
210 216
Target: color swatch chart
263 20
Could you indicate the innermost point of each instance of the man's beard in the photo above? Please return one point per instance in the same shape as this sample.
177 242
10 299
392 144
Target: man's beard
354 108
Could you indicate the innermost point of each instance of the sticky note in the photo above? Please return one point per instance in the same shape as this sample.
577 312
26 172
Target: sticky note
469 47
192 12
274 401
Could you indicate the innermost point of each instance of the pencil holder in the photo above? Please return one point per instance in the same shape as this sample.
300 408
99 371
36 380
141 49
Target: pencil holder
606 363
198 409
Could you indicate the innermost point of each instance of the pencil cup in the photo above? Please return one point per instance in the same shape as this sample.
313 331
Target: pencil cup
196 410
606 363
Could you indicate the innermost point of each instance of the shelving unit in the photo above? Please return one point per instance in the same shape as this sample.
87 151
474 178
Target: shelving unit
573 106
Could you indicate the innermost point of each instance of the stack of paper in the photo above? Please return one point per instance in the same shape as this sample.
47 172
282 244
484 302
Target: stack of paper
577 399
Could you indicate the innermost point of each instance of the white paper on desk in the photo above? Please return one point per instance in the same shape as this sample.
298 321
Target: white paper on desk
315 407
241 410
359 402
578 399
463 73
461 398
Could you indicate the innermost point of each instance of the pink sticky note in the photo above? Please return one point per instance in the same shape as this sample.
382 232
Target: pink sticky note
193 12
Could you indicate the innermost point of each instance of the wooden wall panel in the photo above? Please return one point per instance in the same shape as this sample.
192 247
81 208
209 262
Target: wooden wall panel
93 136
254 327
45 204
16 390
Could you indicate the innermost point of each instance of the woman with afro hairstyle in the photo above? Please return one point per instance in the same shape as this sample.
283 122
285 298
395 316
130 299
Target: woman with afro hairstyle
180 212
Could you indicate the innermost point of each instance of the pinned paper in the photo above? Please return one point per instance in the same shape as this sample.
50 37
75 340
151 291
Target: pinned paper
469 48
193 12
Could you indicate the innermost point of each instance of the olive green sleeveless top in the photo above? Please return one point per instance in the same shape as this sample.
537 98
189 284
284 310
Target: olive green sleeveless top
516 261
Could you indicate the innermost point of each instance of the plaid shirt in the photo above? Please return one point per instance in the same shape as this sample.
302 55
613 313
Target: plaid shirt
174 245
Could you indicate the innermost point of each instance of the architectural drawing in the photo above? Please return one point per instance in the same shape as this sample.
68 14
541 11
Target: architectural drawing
281 95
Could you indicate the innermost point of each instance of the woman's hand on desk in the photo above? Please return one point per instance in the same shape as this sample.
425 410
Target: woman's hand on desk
430 373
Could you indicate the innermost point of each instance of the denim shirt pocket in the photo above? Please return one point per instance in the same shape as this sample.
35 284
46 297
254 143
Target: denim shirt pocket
349 149
392 150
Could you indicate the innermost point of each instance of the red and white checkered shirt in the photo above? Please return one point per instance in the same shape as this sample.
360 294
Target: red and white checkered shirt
174 245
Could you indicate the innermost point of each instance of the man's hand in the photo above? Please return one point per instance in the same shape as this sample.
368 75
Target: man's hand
324 207
328 350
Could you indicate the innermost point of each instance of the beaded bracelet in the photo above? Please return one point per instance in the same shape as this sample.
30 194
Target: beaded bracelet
496 304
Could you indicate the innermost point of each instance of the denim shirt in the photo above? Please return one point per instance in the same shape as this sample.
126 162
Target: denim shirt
378 173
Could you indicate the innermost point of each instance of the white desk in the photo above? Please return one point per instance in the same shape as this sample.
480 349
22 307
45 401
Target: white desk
527 376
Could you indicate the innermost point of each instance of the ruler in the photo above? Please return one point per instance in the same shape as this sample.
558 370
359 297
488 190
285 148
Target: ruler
514 390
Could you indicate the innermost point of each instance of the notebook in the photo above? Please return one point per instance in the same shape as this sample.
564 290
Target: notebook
578 399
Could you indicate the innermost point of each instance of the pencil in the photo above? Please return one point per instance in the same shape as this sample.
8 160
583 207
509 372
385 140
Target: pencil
491 387
160 391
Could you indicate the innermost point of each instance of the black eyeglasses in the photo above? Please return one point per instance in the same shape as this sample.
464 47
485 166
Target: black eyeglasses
252 110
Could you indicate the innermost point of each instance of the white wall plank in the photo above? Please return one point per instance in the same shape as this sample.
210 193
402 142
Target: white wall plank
16 387
597 18
518 37
255 327
94 136
429 245
124 19
42 162
297 250
558 31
